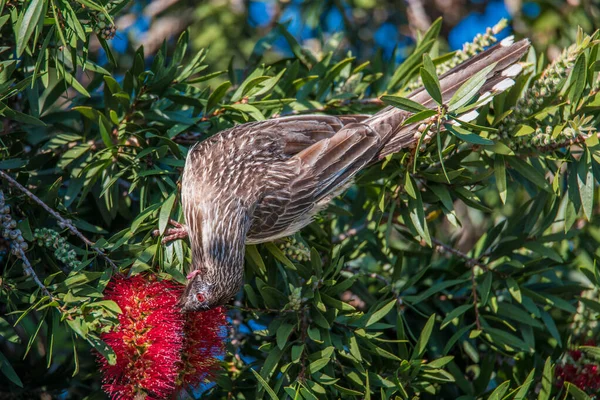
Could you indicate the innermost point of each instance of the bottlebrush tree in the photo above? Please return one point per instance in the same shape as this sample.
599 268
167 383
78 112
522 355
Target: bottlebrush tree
464 267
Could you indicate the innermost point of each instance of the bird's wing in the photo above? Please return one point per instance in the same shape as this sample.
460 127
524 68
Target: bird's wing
296 188
299 132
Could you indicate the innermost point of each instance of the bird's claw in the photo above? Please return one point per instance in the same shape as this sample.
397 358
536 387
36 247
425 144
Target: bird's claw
178 232
193 274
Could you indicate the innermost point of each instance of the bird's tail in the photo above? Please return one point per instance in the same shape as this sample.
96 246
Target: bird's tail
505 54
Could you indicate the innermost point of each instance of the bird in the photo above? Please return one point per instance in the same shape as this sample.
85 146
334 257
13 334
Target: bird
261 181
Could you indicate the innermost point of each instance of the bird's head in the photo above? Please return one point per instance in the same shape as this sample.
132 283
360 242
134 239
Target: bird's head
201 295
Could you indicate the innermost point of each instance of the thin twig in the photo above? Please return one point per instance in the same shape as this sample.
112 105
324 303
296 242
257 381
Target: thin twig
303 337
28 268
67 223
386 282
262 310
475 299
470 261
373 275
440 246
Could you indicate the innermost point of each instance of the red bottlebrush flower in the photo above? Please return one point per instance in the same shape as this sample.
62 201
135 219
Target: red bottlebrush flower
575 354
204 334
158 349
147 341
578 371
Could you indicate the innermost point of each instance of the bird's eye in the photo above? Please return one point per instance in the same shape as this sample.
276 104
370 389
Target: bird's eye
200 297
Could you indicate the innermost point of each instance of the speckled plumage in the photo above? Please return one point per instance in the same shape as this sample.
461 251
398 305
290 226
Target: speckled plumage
265 180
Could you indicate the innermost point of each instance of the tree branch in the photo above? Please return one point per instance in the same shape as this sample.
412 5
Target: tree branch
446 249
67 223
475 299
28 268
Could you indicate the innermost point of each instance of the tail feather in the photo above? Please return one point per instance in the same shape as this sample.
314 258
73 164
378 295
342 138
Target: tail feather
505 54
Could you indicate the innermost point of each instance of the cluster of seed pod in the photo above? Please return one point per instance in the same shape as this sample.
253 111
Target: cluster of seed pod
10 232
104 27
432 122
543 136
479 43
295 299
295 250
62 250
541 90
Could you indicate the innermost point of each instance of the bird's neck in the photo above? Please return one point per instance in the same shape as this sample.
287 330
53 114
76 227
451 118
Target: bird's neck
219 249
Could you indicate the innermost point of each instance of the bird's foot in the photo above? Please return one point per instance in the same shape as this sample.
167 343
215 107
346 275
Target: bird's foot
193 274
178 232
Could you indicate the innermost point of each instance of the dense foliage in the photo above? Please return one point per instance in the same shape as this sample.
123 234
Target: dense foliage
462 268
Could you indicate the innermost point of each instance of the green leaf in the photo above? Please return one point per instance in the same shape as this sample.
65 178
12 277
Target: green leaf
440 362
19 116
524 388
297 352
165 212
429 66
104 126
547 380
279 255
402 73
591 350
455 337
247 109
578 79
267 85
318 365
8 371
455 313
524 130
354 348
403 103
13 163
265 385
499 392
283 332
513 288
380 313
304 56
585 182
217 95
27 24
423 340
500 174
431 83
529 173
469 89
467 136
551 326
108 304
485 288
254 256
544 251
420 116
109 53
103 349
409 186
577 393
340 305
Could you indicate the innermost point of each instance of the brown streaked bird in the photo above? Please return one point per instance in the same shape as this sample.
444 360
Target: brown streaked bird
265 180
